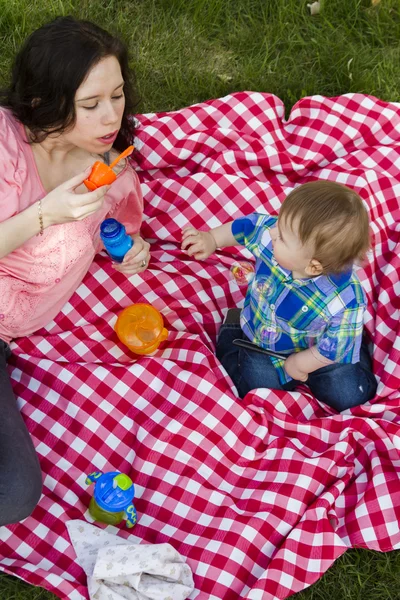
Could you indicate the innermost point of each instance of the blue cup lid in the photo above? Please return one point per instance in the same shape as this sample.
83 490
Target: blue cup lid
110 228
114 491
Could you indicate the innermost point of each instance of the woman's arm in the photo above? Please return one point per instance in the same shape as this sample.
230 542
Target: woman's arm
19 229
61 205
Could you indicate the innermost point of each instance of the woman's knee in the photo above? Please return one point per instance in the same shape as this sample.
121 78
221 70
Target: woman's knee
20 494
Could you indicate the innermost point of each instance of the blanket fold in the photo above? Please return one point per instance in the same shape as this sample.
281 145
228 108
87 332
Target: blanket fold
258 496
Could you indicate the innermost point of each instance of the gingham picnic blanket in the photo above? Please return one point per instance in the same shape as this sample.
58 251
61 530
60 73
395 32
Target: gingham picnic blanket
260 495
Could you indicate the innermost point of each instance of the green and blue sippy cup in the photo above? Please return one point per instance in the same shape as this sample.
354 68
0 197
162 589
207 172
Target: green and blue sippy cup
112 498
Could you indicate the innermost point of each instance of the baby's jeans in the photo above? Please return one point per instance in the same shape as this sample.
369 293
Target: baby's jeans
341 386
20 475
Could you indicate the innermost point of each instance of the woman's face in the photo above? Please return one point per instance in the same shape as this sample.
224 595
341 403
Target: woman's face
99 105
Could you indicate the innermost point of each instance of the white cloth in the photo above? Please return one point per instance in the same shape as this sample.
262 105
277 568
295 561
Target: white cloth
119 570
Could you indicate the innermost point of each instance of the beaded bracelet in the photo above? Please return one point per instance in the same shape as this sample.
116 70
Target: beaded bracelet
40 217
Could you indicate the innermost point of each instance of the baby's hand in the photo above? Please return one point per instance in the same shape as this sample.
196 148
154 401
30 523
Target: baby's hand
199 244
292 369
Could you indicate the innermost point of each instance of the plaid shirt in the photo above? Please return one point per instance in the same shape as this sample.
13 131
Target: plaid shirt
289 315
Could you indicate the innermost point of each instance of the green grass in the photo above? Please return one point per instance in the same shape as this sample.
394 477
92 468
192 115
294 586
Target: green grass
357 575
187 51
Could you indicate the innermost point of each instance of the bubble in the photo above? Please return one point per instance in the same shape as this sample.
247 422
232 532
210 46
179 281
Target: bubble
243 272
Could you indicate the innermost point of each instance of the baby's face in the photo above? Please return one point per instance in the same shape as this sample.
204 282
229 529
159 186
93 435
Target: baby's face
289 251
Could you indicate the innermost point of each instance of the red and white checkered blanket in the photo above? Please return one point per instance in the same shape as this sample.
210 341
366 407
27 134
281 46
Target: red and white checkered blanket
260 495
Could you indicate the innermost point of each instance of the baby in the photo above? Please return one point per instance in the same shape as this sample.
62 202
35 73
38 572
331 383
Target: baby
305 303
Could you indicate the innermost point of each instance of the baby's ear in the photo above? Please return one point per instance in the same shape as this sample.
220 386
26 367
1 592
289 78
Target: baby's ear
314 268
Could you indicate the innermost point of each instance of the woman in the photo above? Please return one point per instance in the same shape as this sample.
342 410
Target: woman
66 107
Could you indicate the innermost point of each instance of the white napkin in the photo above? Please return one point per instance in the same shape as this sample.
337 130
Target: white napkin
119 570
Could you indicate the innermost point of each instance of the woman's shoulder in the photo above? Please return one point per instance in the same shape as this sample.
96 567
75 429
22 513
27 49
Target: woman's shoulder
16 189
10 124
11 138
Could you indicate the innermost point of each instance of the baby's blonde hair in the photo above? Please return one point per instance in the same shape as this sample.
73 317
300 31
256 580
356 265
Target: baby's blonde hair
333 219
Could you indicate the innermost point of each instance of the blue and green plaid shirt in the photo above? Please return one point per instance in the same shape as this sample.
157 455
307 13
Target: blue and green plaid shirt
289 315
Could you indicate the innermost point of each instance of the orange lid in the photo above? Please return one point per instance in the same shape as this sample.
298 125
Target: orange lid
101 174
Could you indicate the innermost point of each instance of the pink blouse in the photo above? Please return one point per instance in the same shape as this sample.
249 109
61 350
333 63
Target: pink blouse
38 278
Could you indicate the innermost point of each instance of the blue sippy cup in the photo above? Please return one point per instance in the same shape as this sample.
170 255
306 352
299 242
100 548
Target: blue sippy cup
115 239
112 498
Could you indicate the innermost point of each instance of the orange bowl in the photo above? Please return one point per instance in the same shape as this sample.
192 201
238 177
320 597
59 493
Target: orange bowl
141 328
101 174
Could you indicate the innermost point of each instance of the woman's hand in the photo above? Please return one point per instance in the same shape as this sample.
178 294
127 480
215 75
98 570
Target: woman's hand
136 260
63 204
200 244
293 370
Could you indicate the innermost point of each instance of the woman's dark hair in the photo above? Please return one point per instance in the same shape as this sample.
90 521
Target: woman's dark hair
51 65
